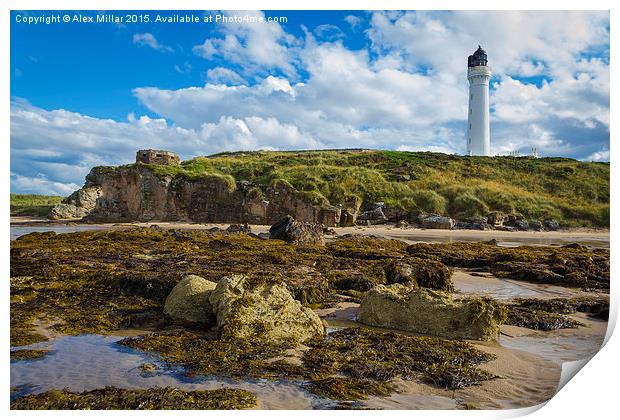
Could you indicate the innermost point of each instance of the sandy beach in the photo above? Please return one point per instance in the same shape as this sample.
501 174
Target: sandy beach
592 237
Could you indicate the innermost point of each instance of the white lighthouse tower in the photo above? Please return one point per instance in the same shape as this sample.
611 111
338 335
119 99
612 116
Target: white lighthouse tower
478 132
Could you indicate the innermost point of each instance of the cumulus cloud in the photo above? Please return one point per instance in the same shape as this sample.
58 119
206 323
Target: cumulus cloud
256 47
147 39
222 75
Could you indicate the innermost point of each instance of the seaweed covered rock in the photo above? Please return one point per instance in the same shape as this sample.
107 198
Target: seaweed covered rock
111 398
419 273
538 320
189 300
429 312
300 233
254 308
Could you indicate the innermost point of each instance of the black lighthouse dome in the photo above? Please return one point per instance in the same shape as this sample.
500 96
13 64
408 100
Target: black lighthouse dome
478 58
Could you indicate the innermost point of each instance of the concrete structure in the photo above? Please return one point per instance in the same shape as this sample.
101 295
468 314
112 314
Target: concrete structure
478 131
157 157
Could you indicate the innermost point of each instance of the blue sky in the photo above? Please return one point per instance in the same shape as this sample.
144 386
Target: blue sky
91 94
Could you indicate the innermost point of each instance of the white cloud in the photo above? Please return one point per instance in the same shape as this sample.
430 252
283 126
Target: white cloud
600 156
221 75
257 47
147 39
185 68
354 21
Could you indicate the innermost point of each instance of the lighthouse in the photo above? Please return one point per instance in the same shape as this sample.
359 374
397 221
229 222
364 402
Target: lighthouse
478 132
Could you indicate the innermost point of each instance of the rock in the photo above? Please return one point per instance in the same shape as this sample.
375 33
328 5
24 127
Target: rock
477 225
77 205
402 224
374 216
299 233
535 225
425 311
435 221
189 300
179 236
239 228
262 310
521 225
552 224
347 218
416 272
496 218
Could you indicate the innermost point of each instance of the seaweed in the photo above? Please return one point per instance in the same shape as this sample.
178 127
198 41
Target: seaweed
29 354
566 266
594 306
539 320
199 354
373 358
111 398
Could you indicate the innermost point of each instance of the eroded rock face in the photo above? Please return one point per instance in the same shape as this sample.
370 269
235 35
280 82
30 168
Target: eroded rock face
137 193
256 309
425 311
77 205
300 233
189 300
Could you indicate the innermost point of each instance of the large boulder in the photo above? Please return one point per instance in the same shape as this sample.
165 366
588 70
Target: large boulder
435 221
77 205
300 233
258 309
425 311
189 300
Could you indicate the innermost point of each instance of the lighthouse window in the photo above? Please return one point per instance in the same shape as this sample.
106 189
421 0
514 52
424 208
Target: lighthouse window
471 96
469 111
470 126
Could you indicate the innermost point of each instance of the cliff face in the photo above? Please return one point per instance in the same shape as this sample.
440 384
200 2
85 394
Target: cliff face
136 193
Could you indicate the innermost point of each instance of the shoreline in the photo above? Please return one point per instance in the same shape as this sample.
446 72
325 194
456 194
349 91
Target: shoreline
588 236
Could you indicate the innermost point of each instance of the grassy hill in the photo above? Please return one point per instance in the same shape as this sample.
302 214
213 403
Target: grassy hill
32 205
573 192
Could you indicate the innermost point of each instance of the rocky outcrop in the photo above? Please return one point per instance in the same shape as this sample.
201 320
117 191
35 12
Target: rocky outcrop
189 300
425 311
435 221
77 205
249 308
137 193
299 233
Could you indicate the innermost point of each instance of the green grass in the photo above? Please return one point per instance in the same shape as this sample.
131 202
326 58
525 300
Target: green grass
33 205
573 192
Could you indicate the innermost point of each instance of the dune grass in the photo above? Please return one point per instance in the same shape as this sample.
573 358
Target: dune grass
32 204
575 193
